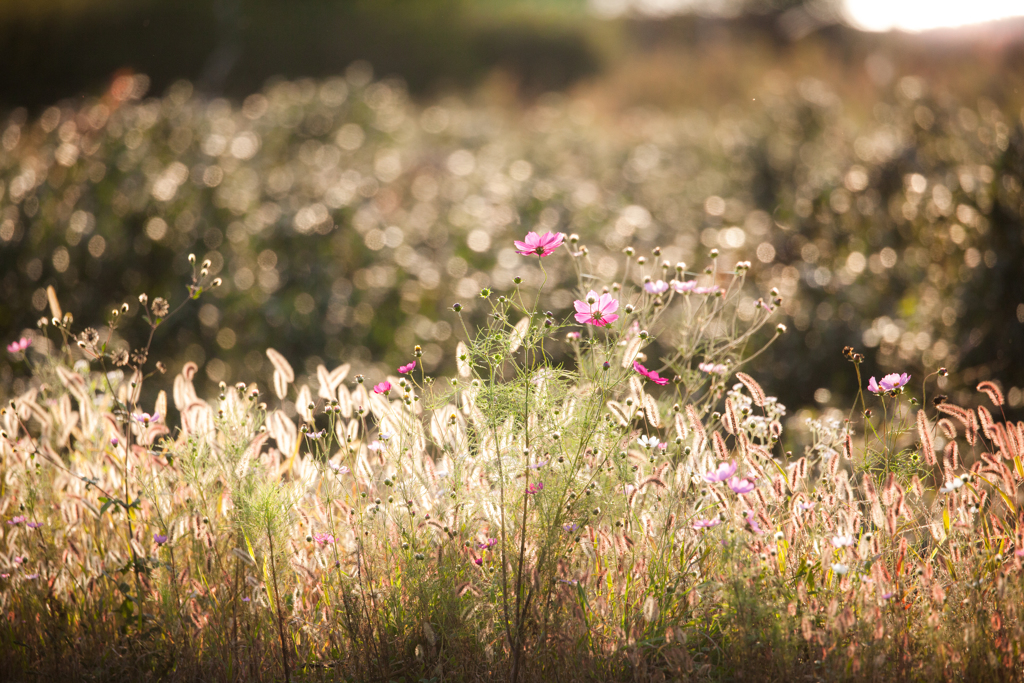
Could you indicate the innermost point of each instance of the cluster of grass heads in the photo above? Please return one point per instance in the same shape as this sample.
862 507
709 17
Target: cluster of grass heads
522 518
342 215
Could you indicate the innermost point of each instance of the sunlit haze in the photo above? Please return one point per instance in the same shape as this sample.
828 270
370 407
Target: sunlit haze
922 15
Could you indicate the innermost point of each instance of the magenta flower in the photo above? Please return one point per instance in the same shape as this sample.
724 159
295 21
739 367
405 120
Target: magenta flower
159 539
741 486
754 526
706 523
597 309
541 245
683 287
890 382
650 374
656 287
713 368
406 369
534 488
382 388
489 543
323 539
478 561
19 346
724 471
14 521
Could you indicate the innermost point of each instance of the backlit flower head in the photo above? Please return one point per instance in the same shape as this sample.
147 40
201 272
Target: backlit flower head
842 541
19 346
382 388
724 471
650 374
541 245
656 287
741 486
406 369
713 368
597 309
891 382
706 523
146 418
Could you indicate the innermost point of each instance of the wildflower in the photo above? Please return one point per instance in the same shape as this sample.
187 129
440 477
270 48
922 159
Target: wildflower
573 336
90 337
724 471
159 539
541 245
752 522
713 368
19 346
538 465
706 523
406 369
382 388
713 289
648 441
160 307
384 436
534 488
374 446
891 382
570 528
683 287
14 521
887 596
806 506
952 485
840 568
650 374
323 539
317 435
741 486
338 469
478 561
32 576
656 287
842 541
120 358
597 309
146 418
486 545
34 525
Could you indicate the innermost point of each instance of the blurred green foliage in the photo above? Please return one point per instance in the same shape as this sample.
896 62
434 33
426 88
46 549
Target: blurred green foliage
346 219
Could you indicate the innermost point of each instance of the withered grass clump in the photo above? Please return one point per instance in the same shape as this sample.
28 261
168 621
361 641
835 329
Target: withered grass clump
631 515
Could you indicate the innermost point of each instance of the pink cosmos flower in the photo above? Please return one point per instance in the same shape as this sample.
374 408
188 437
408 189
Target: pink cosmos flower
713 289
890 382
656 287
323 539
19 346
597 309
650 374
489 543
541 245
146 418
713 368
382 388
406 369
14 521
741 485
534 488
33 525
754 526
159 539
724 471
573 336
706 523
842 541
683 287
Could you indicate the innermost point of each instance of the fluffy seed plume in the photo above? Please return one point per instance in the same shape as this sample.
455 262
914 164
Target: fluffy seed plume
756 392
992 391
927 445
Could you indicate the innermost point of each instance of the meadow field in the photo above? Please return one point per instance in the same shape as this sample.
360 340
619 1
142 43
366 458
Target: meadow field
334 382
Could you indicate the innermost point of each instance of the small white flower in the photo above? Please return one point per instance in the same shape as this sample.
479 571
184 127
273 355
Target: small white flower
840 568
648 441
842 541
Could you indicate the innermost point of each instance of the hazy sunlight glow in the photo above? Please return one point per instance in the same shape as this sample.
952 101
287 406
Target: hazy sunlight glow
923 15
